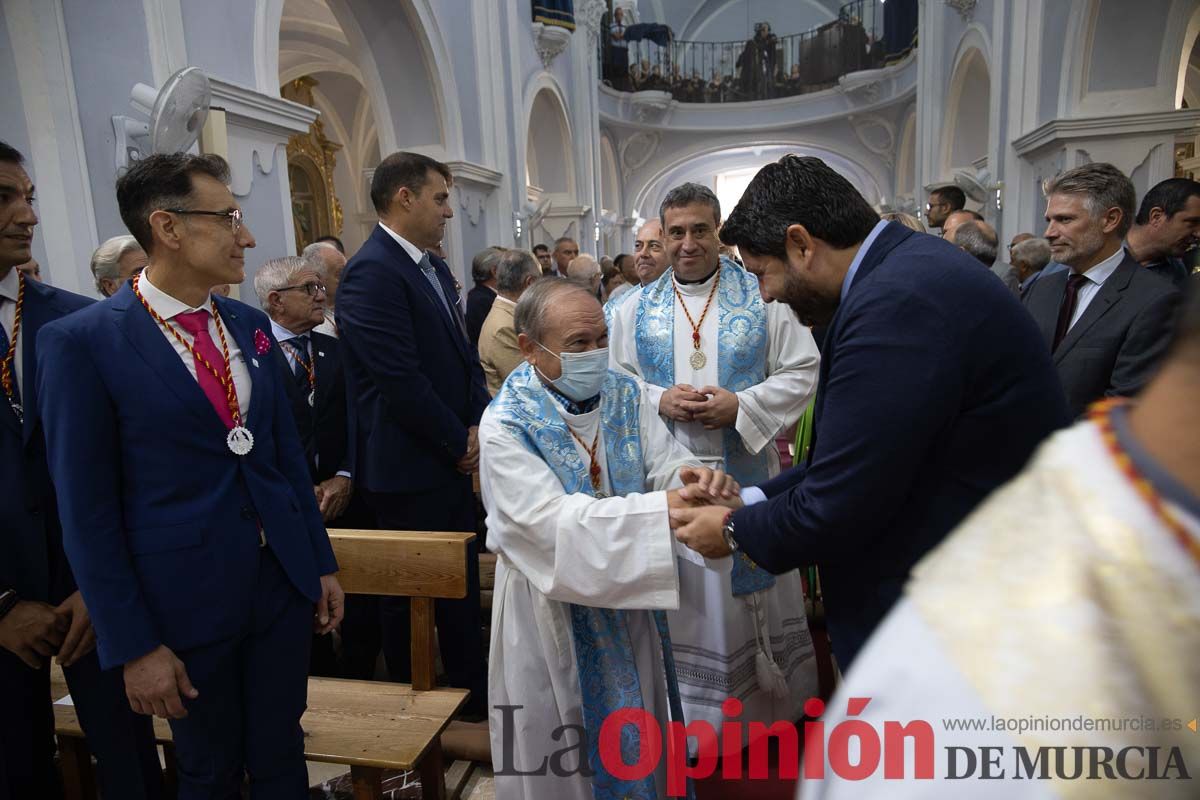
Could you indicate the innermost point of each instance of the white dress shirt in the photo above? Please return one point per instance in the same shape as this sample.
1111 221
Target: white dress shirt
414 252
1096 276
168 308
8 315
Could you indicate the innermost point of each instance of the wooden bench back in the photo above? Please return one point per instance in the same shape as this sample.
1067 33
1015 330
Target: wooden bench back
420 565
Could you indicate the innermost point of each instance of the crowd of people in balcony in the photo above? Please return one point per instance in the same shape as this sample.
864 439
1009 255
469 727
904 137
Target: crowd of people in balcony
646 57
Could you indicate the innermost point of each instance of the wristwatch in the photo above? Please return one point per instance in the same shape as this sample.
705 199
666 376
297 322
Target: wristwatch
727 532
8 601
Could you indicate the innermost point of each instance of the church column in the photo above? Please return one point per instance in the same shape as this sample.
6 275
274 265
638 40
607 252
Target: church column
585 113
256 129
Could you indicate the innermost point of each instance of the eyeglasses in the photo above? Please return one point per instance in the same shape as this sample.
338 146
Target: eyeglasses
311 288
234 215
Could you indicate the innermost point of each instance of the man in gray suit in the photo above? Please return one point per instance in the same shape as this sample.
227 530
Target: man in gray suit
1105 318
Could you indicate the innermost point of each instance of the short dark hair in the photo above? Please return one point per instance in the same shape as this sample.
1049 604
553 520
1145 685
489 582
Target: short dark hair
403 170
1170 195
541 248
687 194
952 195
10 154
620 257
159 181
564 240
333 240
797 190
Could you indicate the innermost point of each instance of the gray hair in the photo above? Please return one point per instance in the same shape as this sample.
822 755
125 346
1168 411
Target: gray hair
313 251
979 240
513 267
1033 253
576 265
1102 186
685 195
529 317
106 260
278 273
483 265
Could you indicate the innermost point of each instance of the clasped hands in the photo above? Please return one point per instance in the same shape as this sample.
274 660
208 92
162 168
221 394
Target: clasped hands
711 406
34 630
698 510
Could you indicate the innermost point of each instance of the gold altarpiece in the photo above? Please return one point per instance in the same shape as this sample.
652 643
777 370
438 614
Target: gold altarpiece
316 210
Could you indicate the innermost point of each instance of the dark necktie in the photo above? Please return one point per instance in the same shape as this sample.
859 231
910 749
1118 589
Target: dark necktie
1067 309
299 345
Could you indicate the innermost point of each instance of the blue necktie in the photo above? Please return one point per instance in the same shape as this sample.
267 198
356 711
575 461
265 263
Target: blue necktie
430 273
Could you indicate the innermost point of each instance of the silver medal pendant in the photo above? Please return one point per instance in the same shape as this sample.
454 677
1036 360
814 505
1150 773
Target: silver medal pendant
240 440
312 398
698 360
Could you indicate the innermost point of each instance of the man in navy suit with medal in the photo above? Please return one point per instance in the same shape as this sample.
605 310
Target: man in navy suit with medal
420 393
42 614
188 512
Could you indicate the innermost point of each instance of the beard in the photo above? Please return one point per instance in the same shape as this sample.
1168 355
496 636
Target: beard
1086 245
811 304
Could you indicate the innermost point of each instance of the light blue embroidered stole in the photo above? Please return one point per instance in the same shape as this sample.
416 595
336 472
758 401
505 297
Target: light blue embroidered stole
741 363
604 654
610 308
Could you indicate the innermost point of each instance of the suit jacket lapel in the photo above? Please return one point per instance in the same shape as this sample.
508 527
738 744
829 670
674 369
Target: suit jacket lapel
238 326
1045 304
148 341
411 271
1106 298
325 366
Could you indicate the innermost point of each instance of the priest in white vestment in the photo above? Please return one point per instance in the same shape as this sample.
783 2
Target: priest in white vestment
729 373
574 468
1063 613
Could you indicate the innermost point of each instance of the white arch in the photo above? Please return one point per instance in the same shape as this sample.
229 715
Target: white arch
437 54
869 178
974 47
540 82
1189 35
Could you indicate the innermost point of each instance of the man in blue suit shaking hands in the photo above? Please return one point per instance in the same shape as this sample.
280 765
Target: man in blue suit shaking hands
934 390
187 510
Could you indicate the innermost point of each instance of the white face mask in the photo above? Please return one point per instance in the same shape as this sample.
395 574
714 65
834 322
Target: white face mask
583 374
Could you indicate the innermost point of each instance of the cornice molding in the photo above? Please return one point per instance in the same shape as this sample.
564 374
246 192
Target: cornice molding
1065 130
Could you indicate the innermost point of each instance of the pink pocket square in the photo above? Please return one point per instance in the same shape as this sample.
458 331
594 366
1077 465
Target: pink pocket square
262 342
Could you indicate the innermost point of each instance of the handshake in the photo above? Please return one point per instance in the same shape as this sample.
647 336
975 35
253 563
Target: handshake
698 510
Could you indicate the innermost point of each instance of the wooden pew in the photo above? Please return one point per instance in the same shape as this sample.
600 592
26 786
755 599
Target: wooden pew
367 725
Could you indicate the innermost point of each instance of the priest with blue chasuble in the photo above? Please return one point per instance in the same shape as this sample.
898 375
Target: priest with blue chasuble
728 374
575 466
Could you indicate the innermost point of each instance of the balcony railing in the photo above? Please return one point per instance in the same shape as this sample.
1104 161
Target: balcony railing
761 68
